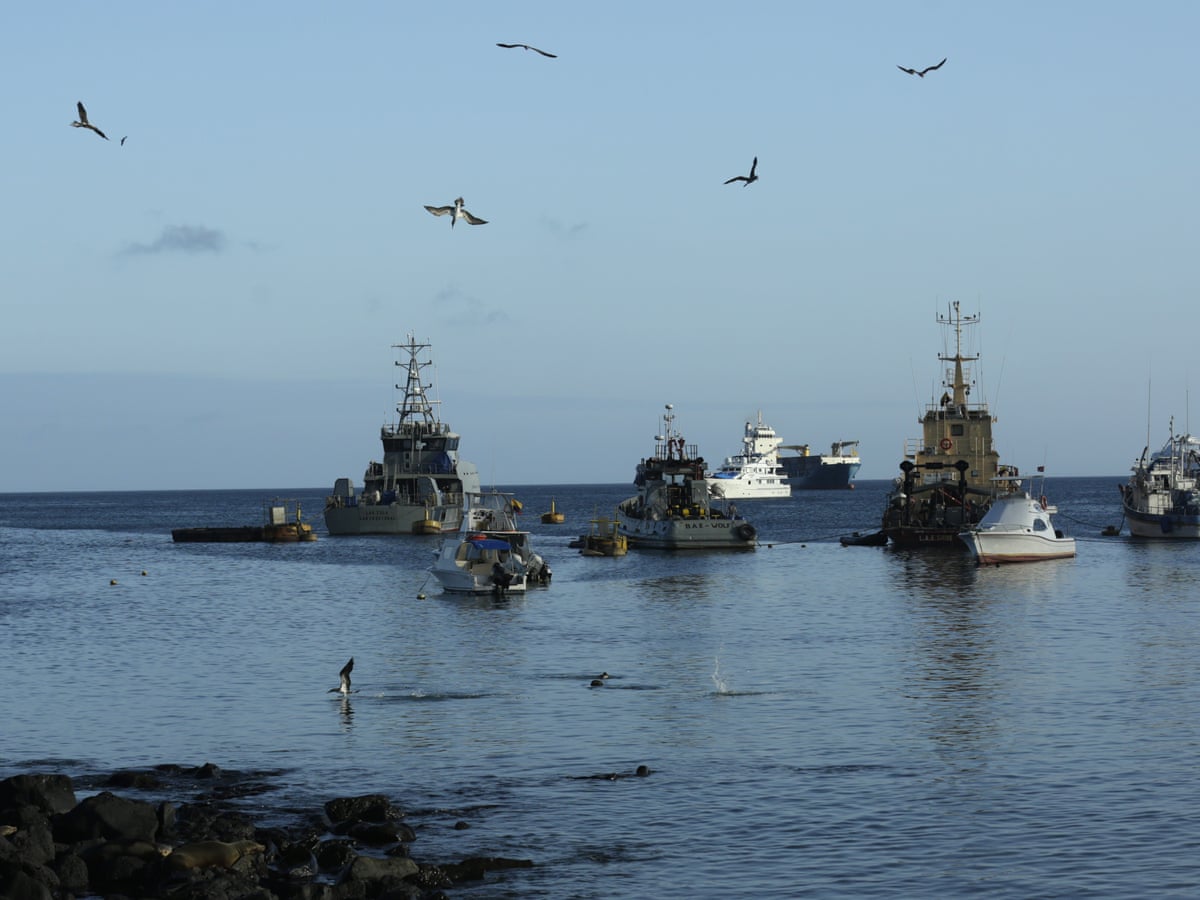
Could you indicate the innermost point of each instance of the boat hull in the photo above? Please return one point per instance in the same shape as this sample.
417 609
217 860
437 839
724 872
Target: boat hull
1169 525
743 489
682 534
992 549
289 533
814 473
913 537
392 518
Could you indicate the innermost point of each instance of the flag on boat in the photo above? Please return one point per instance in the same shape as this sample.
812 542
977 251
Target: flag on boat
1041 468
516 505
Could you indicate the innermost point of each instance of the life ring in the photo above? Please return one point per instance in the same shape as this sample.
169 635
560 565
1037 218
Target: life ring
946 444
745 531
1042 500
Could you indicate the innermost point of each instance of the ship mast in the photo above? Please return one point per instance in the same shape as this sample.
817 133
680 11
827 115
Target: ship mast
415 405
957 320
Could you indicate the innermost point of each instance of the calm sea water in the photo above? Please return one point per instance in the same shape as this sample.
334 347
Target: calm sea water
820 721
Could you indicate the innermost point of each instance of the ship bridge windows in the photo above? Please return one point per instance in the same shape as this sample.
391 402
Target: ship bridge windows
956 430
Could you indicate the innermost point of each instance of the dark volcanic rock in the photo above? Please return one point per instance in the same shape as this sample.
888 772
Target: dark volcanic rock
49 793
367 808
52 848
108 816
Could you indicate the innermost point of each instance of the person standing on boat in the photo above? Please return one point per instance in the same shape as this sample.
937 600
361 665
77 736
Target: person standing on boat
500 578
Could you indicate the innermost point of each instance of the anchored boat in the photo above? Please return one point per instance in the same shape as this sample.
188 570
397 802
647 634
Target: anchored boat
812 472
673 509
1162 498
1018 528
493 555
755 473
282 524
952 473
420 485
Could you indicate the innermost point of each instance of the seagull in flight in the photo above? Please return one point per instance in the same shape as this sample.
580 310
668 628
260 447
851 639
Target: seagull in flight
920 73
456 212
344 675
84 123
746 178
527 47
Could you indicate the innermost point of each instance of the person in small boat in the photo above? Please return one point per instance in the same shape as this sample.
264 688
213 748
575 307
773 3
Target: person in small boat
500 578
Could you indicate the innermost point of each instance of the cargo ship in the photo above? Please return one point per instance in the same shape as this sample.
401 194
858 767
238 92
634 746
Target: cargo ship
816 472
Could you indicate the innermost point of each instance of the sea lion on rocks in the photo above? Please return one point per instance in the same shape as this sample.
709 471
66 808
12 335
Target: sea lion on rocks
210 854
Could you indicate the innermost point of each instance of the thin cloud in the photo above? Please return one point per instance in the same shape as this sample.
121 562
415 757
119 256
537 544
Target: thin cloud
181 239
562 229
462 310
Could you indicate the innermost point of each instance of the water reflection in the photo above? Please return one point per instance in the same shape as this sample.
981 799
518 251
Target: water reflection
950 662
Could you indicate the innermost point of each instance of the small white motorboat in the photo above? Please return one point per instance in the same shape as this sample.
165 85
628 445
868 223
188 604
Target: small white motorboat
1017 528
493 556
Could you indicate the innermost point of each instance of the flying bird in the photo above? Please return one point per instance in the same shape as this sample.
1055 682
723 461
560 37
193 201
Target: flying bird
456 212
123 140
344 675
527 47
84 123
746 178
920 73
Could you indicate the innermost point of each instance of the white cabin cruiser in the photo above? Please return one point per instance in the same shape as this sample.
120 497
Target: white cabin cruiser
1017 528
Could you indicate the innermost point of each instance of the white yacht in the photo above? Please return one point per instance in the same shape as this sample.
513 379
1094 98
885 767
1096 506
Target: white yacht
755 473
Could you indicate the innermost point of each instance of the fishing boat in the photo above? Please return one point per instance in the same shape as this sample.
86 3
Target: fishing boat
1018 528
492 555
673 508
604 538
755 473
952 473
421 482
554 517
1162 498
282 524
812 472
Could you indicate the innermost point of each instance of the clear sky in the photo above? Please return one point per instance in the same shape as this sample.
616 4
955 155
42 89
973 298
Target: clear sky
213 304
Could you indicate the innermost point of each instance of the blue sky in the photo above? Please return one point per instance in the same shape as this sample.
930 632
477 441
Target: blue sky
213 304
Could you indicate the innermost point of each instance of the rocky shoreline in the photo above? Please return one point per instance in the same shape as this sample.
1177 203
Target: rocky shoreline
206 847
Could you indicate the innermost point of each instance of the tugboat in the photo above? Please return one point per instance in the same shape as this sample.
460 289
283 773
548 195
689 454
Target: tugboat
952 473
673 509
420 486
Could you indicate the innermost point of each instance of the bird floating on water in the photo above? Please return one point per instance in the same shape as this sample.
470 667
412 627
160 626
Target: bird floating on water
920 73
84 123
344 675
456 212
527 47
746 178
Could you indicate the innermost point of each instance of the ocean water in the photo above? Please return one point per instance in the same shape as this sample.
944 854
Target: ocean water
819 720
